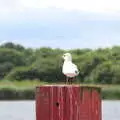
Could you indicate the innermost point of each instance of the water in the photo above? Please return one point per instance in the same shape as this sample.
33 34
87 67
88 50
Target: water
111 110
25 110
17 110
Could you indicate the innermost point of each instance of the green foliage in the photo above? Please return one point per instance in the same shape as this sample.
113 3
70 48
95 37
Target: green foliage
11 45
111 93
16 94
45 64
5 69
13 56
47 68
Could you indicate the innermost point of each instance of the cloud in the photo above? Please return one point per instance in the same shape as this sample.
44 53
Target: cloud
3 42
103 6
6 41
67 44
53 23
58 10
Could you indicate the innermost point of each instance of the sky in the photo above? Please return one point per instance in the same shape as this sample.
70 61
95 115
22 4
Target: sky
65 24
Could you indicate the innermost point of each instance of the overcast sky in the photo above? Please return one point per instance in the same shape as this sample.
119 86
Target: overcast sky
60 23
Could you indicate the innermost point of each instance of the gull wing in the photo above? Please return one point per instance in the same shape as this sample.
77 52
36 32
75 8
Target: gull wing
75 68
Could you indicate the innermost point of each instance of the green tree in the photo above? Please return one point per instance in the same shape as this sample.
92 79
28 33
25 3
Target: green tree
11 45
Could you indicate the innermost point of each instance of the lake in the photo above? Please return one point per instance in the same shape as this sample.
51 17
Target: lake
25 110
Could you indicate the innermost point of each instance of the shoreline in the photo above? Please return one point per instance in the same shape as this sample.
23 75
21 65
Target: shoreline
25 90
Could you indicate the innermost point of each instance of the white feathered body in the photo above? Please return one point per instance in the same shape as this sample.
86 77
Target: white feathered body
69 69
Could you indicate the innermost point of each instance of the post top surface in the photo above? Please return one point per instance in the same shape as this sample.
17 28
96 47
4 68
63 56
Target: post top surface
73 85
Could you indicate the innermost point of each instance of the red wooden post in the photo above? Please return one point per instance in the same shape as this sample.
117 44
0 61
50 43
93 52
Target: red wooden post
68 102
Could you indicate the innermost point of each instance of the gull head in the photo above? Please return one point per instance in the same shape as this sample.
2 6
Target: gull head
67 57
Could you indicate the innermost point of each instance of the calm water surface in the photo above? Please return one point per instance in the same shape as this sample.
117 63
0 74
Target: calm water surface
25 110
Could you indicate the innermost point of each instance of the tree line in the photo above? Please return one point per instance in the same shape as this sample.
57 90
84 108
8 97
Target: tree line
45 64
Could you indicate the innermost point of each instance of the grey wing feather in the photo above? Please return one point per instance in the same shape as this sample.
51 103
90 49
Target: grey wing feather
76 69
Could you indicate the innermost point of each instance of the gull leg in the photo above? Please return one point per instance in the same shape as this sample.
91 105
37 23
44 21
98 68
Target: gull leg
71 80
67 79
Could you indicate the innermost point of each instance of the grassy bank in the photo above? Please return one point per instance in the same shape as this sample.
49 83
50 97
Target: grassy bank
26 90
111 92
18 90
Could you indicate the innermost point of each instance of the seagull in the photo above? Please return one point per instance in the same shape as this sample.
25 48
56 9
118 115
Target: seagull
69 69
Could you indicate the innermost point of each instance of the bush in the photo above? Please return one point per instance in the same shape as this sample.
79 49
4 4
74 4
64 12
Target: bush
22 73
16 94
95 66
111 93
11 56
